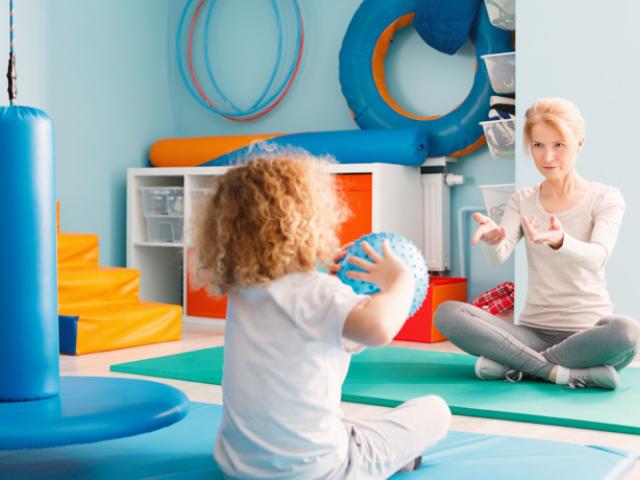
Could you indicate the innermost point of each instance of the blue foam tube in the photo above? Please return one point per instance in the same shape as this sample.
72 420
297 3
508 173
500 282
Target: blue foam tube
402 146
28 290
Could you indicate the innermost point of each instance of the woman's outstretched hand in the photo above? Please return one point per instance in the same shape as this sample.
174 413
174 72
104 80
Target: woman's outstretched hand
553 237
487 231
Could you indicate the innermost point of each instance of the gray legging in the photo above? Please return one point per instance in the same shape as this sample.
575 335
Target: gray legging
613 340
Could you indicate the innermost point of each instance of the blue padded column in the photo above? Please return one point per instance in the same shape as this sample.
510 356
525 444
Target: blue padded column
28 283
38 408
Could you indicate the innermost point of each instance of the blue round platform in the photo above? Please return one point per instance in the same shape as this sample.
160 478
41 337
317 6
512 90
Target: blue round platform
90 409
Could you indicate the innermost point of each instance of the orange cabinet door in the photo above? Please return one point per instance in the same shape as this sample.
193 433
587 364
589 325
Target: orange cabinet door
355 189
201 304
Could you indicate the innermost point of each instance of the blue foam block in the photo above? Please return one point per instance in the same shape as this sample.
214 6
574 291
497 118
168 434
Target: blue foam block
184 450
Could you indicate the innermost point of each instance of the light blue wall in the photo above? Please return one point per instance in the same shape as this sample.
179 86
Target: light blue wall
421 79
31 34
243 51
106 72
99 68
588 52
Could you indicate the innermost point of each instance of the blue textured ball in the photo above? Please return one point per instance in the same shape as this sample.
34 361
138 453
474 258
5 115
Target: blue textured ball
403 248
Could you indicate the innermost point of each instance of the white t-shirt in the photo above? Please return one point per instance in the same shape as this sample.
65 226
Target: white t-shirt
284 364
567 289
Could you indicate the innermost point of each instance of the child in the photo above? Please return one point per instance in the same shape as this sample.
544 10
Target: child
291 329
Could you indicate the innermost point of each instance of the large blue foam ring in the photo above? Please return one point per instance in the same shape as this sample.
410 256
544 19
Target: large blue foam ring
447 134
403 248
37 407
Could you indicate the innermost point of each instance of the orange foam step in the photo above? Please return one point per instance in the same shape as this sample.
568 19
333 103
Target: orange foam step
99 285
77 250
103 327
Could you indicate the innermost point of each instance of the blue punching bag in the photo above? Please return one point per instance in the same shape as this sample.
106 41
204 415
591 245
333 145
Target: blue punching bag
28 288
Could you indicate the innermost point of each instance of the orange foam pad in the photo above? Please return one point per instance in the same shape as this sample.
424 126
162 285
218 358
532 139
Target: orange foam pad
100 285
77 250
103 327
192 152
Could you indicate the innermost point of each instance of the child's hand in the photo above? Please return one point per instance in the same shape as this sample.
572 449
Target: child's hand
553 237
487 231
340 254
376 320
384 271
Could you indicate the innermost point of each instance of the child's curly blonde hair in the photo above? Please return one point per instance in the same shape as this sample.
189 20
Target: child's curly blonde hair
275 214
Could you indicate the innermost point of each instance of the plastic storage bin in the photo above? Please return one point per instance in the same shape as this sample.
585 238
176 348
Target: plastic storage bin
162 200
502 13
198 195
496 198
501 137
501 68
164 228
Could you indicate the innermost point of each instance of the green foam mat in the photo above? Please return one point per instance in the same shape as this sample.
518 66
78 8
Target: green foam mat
390 375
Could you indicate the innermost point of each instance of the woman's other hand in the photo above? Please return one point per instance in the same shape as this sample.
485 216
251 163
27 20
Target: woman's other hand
553 237
487 231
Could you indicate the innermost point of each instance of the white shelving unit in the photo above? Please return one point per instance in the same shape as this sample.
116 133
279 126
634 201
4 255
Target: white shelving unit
396 205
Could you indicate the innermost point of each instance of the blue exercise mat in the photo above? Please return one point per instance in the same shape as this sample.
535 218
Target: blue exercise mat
184 450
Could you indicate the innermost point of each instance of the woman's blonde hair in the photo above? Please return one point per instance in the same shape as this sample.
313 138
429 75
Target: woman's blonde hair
559 113
275 214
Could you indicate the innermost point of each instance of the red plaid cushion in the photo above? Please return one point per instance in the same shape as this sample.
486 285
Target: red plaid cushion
497 299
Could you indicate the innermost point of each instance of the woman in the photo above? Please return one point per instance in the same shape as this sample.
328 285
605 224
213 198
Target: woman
567 333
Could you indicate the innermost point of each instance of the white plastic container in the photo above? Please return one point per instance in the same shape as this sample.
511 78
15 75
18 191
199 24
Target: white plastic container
501 137
164 228
502 13
198 195
501 68
162 200
496 198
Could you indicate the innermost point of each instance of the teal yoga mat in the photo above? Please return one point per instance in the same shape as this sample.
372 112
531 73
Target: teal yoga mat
390 375
184 451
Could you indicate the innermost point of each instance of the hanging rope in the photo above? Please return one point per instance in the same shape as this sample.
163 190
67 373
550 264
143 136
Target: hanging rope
11 70
267 101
